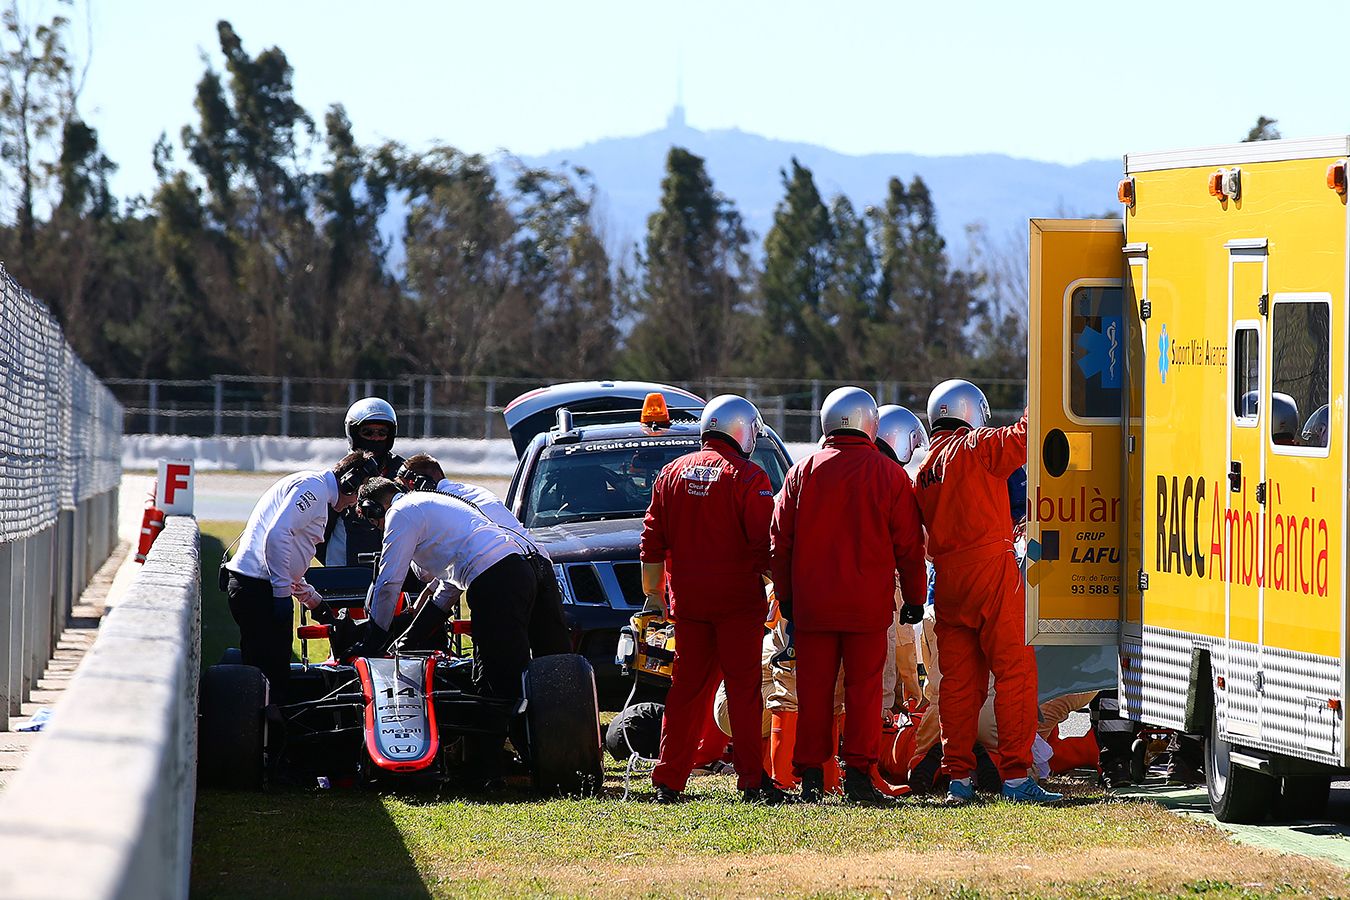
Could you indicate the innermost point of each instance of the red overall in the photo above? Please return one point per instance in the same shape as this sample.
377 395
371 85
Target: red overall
845 523
709 523
979 598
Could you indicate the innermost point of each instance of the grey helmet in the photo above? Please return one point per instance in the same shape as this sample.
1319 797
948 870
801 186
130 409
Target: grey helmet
1318 427
1284 419
363 412
849 409
734 418
900 431
956 403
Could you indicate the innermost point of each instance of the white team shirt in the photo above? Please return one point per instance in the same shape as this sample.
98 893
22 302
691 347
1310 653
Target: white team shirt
491 506
439 537
284 528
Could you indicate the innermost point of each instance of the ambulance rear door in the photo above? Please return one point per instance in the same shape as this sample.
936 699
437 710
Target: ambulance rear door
1076 380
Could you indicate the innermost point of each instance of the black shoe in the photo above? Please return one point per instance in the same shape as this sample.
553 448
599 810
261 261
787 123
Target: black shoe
987 778
1116 774
813 785
923 776
858 788
769 794
1181 771
668 795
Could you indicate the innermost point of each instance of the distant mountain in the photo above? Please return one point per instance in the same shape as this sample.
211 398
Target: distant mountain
999 191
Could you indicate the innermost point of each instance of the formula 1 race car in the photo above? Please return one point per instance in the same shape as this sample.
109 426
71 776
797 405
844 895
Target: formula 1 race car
411 717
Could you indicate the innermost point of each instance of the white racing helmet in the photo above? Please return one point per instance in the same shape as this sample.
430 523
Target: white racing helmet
849 409
734 418
365 412
900 432
955 404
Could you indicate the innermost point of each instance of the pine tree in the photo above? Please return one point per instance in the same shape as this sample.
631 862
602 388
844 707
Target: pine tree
924 306
693 296
798 261
849 303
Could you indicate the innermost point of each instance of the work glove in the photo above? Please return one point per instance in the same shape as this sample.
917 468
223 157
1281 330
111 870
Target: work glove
911 613
373 642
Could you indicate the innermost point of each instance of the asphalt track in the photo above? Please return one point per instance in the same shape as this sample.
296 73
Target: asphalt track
1327 838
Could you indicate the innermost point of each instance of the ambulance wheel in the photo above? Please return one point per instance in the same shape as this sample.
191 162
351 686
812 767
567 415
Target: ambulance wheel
232 728
1139 760
1304 797
563 718
1236 794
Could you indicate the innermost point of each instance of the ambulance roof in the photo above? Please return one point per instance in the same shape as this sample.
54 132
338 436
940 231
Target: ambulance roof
1238 154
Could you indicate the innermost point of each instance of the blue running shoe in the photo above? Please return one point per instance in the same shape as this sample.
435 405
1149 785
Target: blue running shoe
959 793
1030 792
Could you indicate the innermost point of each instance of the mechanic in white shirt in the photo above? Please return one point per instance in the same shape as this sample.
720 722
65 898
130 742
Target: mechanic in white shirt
274 551
515 608
423 472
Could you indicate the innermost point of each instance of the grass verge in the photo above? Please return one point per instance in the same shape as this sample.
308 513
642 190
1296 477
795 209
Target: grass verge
311 843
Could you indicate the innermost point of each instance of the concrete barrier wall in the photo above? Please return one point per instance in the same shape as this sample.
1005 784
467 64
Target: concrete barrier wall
41 577
103 805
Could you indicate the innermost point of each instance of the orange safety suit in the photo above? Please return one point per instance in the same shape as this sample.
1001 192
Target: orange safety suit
979 599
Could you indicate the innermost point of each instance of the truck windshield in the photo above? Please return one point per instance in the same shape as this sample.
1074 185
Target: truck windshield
612 479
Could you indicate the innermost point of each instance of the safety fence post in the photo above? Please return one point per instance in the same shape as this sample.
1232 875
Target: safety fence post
154 407
65 535
17 595
781 417
426 407
487 408
815 409
285 407
219 402
7 598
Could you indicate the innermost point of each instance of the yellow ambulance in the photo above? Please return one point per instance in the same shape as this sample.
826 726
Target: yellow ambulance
1186 483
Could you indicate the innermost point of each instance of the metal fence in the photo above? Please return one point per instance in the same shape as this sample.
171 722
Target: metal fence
451 406
60 467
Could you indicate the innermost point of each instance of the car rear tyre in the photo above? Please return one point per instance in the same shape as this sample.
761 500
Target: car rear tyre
232 730
1304 797
1236 794
564 726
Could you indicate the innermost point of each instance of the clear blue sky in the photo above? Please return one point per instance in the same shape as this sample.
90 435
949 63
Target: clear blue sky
1058 81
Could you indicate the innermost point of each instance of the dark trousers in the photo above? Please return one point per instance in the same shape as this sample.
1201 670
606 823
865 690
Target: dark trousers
265 624
516 612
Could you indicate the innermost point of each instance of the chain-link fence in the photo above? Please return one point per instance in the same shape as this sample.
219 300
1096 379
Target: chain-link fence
434 406
60 467
60 428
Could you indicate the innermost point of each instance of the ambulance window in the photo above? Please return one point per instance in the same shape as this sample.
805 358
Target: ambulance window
1097 354
1246 374
1300 352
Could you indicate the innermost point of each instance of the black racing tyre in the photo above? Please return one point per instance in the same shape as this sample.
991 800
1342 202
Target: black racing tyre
564 726
231 729
1138 760
1236 794
1304 797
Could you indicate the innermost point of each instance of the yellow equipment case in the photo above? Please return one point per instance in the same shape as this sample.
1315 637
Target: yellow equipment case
1187 460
